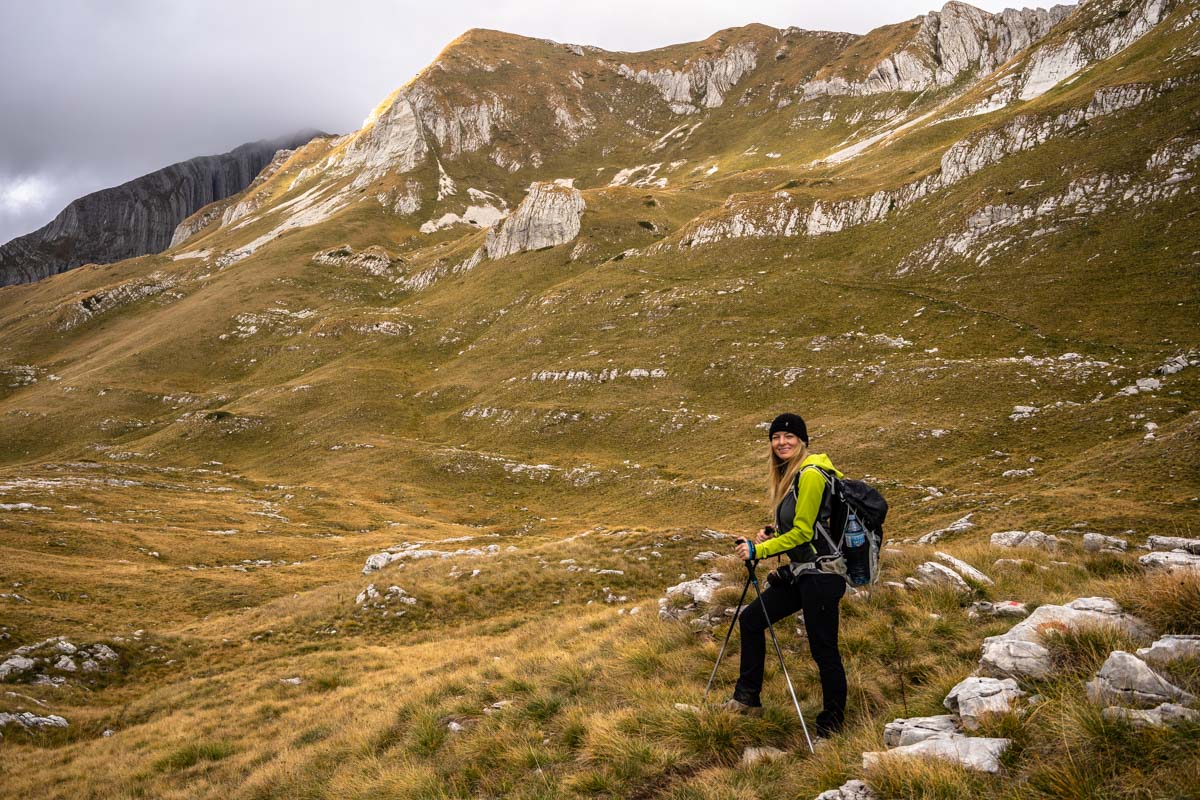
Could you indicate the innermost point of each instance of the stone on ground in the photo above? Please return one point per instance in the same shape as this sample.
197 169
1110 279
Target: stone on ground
1172 561
937 574
1173 543
1099 543
964 569
1043 541
974 698
901 732
1157 717
1170 648
972 752
850 790
1020 652
1126 680
1000 608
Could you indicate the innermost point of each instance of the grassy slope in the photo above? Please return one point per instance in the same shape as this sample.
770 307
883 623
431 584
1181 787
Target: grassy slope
337 444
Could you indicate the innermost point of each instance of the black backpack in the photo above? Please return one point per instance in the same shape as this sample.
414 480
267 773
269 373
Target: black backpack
845 497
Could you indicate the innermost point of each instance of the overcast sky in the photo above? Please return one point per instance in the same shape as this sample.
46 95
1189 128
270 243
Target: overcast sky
96 92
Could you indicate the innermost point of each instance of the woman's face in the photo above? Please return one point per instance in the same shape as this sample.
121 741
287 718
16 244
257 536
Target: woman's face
784 444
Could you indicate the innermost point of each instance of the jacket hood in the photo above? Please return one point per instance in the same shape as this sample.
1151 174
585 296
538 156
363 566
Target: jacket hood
820 460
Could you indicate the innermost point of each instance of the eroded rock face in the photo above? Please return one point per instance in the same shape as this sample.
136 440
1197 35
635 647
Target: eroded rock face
549 215
702 84
974 698
1126 680
972 752
957 40
1020 653
137 217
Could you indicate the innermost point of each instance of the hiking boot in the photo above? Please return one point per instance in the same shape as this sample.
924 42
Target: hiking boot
828 725
738 707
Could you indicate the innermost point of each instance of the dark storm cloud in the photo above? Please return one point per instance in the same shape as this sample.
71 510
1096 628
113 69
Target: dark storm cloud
96 93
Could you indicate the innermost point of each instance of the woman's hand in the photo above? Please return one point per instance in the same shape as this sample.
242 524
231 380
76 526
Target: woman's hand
764 534
743 550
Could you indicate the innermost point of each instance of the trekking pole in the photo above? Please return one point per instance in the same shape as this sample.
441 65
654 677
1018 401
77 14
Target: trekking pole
753 578
729 633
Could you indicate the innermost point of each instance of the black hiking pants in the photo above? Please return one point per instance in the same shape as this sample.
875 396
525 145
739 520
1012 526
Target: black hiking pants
818 596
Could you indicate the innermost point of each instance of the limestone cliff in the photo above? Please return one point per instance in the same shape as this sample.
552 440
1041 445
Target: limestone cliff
137 217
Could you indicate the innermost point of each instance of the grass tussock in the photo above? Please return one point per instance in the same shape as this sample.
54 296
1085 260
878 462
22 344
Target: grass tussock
1170 602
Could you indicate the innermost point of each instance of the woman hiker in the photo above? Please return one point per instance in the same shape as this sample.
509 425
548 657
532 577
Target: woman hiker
813 582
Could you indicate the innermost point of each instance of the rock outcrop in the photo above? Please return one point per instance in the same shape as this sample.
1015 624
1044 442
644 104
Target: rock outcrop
947 44
549 215
1020 652
975 698
1126 680
137 217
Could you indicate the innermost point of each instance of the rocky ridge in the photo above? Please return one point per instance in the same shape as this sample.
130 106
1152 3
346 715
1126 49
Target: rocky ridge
137 217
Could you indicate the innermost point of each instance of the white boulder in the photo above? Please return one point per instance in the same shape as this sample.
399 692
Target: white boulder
1020 652
27 719
1098 543
1173 561
936 574
901 732
756 755
1126 680
699 590
1170 648
972 752
1044 541
1173 543
1001 608
15 665
964 569
1158 717
976 697
850 790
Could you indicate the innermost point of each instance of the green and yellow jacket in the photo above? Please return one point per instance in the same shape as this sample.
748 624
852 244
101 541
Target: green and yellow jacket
797 512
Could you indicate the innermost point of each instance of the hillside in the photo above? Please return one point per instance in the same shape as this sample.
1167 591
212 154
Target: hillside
510 348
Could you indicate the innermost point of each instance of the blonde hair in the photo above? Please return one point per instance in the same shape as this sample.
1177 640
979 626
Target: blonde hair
782 473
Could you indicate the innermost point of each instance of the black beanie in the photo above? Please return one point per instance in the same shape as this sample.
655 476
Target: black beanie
789 423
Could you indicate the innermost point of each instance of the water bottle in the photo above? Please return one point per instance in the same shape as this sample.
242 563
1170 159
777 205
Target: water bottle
856 551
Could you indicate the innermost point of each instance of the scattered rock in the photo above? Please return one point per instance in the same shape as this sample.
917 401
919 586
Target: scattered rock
972 752
936 574
901 732
1020 652
1126 680
291 681
1099 543
1173 561
27 719
1170 648
16 665
1173 543
1037 539
1002 608
686 707
975 697
1157 717
756 755
954 527
699 590
707 555
964 569
850 790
